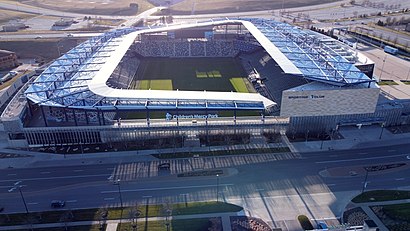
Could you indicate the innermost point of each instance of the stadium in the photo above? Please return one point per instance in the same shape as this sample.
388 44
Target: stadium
187 84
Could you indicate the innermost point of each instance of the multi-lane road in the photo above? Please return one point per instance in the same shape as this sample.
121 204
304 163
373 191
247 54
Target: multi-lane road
259 183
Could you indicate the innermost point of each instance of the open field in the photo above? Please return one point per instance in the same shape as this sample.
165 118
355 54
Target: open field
219 6
121 7
41 49
194 74
99 7
7 15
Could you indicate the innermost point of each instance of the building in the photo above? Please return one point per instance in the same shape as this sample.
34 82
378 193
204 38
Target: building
8 59
303 81
14 26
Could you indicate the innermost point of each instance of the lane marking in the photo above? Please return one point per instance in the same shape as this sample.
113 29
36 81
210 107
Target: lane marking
146 196
78 170
45 172
358 159
11 174
57 177
165 188
331 184
71 201
32 203
400 178
260 189
109 198
391 150
110 168
363 153
333 155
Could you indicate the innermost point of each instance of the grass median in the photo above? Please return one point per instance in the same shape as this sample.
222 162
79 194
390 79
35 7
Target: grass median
197 224
158 210
381 195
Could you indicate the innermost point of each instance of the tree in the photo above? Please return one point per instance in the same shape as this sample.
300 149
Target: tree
352 2
66 217
133 215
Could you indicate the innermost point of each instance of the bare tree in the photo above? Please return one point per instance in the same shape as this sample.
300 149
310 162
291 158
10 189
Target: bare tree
66 217
133 215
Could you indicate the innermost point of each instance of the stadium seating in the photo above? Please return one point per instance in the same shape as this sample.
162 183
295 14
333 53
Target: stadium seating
272 82
193 48
124 73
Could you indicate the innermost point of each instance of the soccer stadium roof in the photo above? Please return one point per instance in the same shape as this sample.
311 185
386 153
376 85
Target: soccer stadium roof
78 78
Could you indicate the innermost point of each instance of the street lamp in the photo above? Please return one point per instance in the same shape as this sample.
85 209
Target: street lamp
17 186
381 133
217 188
384 61
365 179
119 192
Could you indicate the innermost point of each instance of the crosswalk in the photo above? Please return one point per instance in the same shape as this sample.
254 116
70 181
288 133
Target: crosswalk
133 171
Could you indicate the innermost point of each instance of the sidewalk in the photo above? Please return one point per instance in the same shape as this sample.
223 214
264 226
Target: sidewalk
367 136
111 224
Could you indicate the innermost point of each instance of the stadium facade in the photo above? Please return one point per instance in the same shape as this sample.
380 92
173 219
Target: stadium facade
304 81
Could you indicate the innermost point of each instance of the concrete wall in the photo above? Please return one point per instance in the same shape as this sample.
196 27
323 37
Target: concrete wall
329 102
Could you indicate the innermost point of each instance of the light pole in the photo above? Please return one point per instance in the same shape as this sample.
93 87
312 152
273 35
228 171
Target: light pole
408 73
217 188
119 192
365 179
22 198
384 61
381 133
18 186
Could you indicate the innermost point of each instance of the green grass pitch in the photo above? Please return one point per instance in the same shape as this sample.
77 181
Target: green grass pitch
192 74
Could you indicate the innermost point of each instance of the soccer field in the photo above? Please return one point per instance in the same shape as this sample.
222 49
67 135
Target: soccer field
193 74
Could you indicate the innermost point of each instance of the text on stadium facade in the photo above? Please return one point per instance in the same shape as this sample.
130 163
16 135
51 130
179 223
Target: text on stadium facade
169 116
306 96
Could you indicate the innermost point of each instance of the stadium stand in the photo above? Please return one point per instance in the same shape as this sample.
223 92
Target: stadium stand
263 73
193 48
123 74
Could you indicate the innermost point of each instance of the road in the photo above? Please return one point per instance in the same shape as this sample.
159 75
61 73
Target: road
259 183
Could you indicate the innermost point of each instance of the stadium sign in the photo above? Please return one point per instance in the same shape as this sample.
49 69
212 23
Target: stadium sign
169 116
306 97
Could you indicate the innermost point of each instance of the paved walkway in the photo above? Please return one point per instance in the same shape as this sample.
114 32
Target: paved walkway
112 224
353 138
373 216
